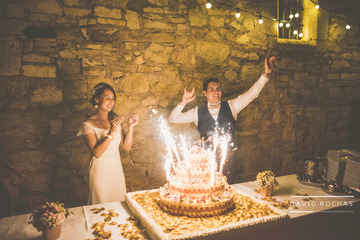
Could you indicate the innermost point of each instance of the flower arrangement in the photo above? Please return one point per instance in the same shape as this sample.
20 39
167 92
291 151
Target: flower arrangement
49 215
267 179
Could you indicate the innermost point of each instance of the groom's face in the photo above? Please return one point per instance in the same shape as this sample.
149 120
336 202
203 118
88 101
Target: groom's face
213 92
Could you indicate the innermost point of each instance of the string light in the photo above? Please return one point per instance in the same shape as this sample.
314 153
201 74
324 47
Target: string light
348 26
301 35
291 16
237 14
297 15
317 6
295 32
208 4
287 25
281 24
260 21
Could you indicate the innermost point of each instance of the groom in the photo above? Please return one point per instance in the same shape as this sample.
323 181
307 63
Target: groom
217 114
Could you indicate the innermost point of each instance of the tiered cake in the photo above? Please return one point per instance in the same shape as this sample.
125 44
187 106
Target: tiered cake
194 191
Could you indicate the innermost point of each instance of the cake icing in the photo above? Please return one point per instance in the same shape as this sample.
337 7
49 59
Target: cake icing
190 190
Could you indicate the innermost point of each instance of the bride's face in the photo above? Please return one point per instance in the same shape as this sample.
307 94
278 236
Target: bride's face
106 100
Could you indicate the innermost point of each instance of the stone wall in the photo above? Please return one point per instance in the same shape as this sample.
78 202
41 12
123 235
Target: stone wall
53 52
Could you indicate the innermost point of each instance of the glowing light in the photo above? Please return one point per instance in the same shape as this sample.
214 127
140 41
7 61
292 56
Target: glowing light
186 155
297 15
291 16
317 6
170 144
260 21
281 24
208 4
301 34
224 148
295 32
237 14
348 26
287 25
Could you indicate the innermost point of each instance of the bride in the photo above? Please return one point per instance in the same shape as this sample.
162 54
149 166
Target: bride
103 134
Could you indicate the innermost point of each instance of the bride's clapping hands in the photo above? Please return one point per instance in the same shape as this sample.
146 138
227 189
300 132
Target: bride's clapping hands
133 120
115 123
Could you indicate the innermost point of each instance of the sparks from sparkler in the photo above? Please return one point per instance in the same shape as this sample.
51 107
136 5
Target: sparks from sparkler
224 149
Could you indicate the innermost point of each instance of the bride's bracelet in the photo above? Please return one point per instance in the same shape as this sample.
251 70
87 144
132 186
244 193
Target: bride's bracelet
267 75
109 136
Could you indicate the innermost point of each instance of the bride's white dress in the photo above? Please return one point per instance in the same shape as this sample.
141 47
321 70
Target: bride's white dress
106 177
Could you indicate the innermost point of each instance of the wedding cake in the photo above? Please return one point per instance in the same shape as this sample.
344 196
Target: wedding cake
196 189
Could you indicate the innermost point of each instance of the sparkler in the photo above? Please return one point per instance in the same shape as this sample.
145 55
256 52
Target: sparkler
224 148
186 155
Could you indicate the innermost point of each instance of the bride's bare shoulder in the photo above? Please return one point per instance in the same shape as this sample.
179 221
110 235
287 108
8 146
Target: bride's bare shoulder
91 120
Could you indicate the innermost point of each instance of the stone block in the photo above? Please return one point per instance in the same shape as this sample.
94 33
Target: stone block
78 12
149 101
49 95
250 72
230 75
135 83
153 10
112 3
15 11
197 16
68 53
111 21
356 56
74 3
159 2
39 71
10 56
213 53
35 58
157 53
45 6
184 55
69 65
334 92
216 21
55 126
103 12
87 22
157 25
333 76
339 65
132 20
289 64
177 18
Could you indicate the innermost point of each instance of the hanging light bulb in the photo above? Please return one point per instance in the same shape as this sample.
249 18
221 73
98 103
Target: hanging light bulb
208 4
287 25
297 15
291 16
348 26
317 6
301 35
260 21
237 14
295 32
281 24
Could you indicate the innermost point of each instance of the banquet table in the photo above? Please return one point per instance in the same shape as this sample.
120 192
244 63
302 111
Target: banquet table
324 216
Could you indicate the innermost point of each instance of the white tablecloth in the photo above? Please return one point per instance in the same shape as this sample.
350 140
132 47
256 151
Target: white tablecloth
75 227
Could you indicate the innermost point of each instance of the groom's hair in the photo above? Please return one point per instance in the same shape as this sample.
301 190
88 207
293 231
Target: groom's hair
206 83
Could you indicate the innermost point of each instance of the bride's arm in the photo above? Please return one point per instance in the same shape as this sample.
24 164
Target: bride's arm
96 149
127 140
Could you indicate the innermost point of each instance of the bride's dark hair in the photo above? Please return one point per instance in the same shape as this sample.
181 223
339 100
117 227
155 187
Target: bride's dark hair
96 93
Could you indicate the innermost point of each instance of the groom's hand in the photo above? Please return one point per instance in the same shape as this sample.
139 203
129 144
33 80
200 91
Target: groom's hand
187 97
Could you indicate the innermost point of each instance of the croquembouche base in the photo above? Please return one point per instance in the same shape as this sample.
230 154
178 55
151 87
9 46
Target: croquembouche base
195 189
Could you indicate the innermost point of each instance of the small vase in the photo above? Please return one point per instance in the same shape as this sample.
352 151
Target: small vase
52 234
266 192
